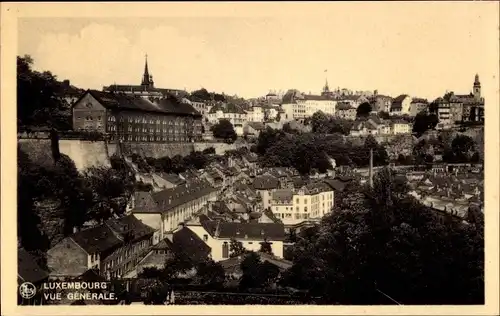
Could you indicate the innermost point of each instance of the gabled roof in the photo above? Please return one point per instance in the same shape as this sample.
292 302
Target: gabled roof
169 199
227 108
258 126
335 184
28 269
396 102
283 195
187 242
342 106
121 101
96 239
129 224
255 231
265 182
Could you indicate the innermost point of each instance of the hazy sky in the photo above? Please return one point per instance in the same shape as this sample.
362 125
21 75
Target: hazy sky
422 49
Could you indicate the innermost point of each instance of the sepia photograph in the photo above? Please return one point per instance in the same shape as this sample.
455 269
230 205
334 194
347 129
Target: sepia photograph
252 154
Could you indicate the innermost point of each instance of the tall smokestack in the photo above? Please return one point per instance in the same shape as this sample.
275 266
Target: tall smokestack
370 175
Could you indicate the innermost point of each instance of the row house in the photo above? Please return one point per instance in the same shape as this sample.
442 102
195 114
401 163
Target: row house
164 210
113 249
218 235
134 119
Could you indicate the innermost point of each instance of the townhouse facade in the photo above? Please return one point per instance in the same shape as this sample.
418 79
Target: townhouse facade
164 210
113 249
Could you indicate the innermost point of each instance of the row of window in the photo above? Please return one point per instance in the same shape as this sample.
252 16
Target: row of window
125 255
142 138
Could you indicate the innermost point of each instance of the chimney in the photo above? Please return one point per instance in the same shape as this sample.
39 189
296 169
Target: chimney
75 229
66 83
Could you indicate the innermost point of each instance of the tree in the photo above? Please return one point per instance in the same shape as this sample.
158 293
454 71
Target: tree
463 148
381 240
177 265
202 94
210 273
110 189
225 130
384 115
424 122
363 110
37 100
319 123
266 247
29 233
236 248
209 151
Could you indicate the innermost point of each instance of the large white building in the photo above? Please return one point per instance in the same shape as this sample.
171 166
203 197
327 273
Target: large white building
298 106
309 202
218 235
255 114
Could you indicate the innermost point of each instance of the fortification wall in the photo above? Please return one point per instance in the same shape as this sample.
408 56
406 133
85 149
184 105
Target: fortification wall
87 154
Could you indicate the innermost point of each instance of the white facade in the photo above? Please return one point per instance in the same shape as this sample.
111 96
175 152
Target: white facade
325 106
255 114
217 244
405 107
168 221
401 128
303 207
237 119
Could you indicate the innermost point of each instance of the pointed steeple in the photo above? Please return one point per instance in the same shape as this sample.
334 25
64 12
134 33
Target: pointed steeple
147 79
326 88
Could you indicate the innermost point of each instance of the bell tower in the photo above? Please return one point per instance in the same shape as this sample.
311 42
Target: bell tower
147 79
477 88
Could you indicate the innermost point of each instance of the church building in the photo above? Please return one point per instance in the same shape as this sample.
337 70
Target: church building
146 88
137 114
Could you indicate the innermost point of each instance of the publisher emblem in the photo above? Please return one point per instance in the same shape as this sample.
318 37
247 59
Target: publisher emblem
27 290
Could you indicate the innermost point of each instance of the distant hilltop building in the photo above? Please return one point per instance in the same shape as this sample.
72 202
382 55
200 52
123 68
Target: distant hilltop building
146 88
453 108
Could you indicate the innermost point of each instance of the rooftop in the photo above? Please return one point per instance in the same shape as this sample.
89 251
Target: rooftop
121 101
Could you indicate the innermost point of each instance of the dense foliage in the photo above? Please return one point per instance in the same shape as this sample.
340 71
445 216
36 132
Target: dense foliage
363 110
328 124
54 198
423 122
379 242
38 102
224 130
308 151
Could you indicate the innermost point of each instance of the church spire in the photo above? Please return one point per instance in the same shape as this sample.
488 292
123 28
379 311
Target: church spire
147 79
